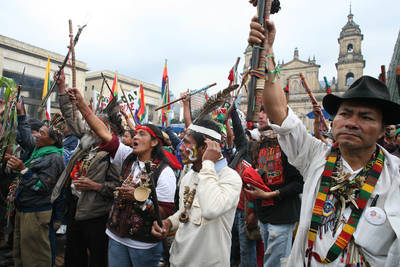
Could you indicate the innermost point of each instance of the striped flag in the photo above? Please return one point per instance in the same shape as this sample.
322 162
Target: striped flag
140 113
114 89
46 87
165 95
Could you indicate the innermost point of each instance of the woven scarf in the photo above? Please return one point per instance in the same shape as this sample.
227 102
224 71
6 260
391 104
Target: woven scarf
372 176
43 151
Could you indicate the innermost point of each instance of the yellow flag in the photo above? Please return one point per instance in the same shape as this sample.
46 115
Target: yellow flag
46 84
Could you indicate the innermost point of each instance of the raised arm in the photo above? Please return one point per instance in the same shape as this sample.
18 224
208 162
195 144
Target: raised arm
75 126
95 123
186 111
128 121
274 98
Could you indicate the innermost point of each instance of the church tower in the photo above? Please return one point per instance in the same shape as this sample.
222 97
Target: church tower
350 63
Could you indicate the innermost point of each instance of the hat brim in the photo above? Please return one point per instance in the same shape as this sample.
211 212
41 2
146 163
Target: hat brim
390 110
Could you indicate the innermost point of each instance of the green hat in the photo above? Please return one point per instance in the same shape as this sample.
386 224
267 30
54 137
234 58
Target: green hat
369 90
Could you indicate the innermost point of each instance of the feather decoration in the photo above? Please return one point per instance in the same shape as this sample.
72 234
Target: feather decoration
215 101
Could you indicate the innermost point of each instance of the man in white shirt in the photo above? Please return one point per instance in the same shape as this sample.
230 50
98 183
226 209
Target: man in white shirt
350 212
209 194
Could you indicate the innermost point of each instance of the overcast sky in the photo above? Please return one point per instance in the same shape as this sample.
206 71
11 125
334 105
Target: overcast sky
201 39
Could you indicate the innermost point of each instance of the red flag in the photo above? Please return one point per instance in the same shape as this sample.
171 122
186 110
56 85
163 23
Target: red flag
114 89
231 76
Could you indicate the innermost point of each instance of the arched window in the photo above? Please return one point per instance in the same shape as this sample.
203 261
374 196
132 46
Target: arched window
295 86
350 48
349 78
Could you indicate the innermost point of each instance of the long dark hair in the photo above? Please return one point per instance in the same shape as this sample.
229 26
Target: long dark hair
157 151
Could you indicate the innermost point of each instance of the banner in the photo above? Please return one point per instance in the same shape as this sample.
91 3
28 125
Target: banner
131 95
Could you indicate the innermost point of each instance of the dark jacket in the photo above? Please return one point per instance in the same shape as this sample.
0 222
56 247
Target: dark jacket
91 204
286 208
46 169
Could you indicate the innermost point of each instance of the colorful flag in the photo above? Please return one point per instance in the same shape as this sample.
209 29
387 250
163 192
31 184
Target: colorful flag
165 95
327 87
46 87
231 76
140 113
114 89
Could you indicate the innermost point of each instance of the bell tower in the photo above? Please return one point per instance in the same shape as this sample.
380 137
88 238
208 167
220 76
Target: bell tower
350 63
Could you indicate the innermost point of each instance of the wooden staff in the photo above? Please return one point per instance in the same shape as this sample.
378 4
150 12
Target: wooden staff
127 102
157 209
183 97
258 62
398 79
73 67
99 101
383 74
314 101
44 100
105 80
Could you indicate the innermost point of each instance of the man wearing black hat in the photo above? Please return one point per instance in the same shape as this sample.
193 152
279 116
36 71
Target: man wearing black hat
350 212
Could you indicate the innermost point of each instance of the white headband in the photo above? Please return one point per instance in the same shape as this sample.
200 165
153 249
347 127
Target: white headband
205 131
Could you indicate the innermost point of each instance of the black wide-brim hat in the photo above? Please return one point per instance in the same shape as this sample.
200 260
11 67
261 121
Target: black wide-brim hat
371 91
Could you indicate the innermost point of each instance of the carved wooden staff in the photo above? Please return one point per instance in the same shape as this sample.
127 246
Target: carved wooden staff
383 74
157 210
314 101
73 66
44 100
183 97
256 86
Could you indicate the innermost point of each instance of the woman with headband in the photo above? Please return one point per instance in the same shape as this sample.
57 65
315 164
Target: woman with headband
133 212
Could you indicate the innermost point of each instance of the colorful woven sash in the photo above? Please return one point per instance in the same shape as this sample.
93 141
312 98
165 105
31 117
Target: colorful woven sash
372 176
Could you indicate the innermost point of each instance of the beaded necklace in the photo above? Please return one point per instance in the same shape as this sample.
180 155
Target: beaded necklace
372 173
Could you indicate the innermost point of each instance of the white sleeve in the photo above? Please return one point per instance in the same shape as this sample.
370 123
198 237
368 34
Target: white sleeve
299 146
217 193
166 185
123 151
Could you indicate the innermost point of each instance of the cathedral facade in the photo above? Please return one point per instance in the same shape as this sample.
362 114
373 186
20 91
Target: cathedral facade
349 68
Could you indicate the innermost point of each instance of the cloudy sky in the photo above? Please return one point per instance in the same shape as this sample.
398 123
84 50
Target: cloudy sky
200 39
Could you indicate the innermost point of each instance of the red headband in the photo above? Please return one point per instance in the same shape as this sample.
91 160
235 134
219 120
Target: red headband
150 131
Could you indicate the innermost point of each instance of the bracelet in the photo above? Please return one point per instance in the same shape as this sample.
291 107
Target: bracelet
87 114
276 71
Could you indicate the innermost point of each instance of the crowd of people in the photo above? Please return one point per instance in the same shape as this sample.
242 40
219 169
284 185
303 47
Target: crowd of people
219 194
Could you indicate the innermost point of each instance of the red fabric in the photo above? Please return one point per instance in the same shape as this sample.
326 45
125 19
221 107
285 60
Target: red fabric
168 207
173 161
249 125
231 77
241 201
150 131
111 147
251 176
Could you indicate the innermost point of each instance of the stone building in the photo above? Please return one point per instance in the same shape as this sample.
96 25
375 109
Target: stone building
391 75
152 93
349 67
15 55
